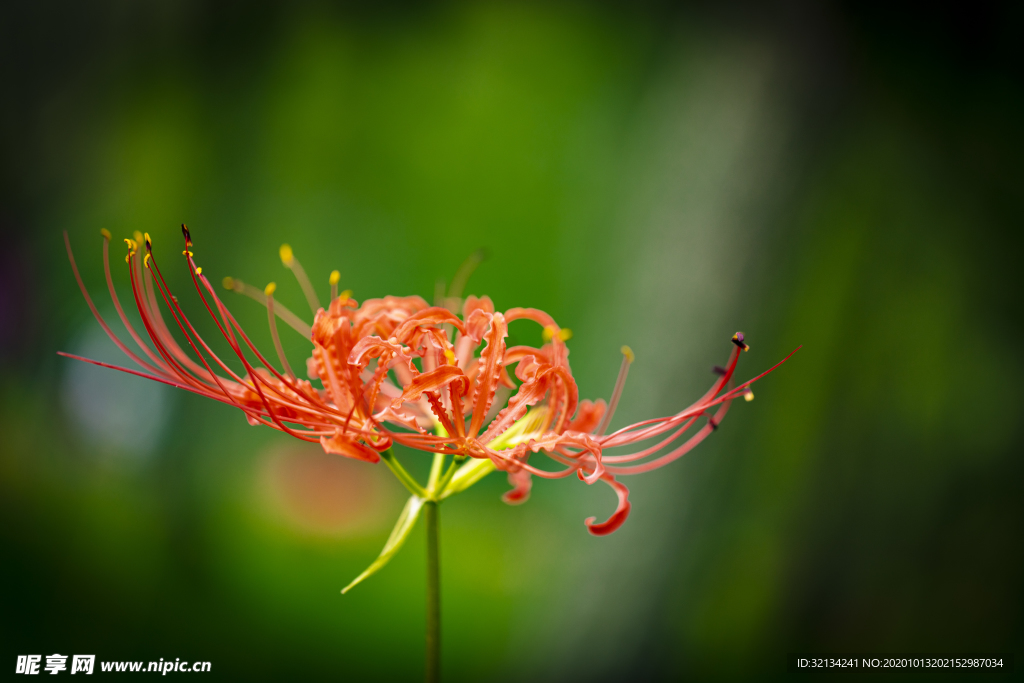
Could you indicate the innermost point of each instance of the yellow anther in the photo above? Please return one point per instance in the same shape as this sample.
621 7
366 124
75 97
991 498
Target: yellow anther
127 258
145 261
105 233
132 246
748 395
450 355
550 332
149 242
187 253
228 282
334 278
270 289
286 255
138 236
199 270
346 295
628 353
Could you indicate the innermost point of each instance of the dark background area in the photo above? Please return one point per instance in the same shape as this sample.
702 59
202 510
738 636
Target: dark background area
843 176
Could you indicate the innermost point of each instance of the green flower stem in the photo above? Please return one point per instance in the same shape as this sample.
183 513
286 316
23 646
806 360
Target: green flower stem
431 496
433 594
391 461
433 571
446 479
435 475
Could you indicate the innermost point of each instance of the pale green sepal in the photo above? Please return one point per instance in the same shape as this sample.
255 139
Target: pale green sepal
467 475
406 521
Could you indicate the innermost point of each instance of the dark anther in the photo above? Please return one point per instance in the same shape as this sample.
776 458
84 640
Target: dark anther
718 370
737 339
188 237
714 425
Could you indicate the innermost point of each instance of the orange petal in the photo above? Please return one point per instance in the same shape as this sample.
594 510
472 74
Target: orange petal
588 416
521 482
429 381
429 318
621 510
342 444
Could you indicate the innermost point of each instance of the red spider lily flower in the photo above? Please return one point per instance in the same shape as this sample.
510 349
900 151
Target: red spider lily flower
398 370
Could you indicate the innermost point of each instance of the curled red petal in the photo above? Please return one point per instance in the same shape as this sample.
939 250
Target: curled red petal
621 511
490 369
430 381
343 444
530 367
534 314
477 323
513 354
431 317
473 303
588 416
371 347
530 393
521 482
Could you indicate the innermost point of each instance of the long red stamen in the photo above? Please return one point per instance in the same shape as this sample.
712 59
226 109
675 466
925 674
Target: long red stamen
690 443
120 311
292 263
272 321
257 381
620 383
96 314
159 325
168 358
293 321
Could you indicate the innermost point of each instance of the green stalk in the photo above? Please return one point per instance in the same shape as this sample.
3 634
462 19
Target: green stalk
433 571
435 474
391 461
433 594
447 477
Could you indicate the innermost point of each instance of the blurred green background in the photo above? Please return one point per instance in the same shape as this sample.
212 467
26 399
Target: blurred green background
846 177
